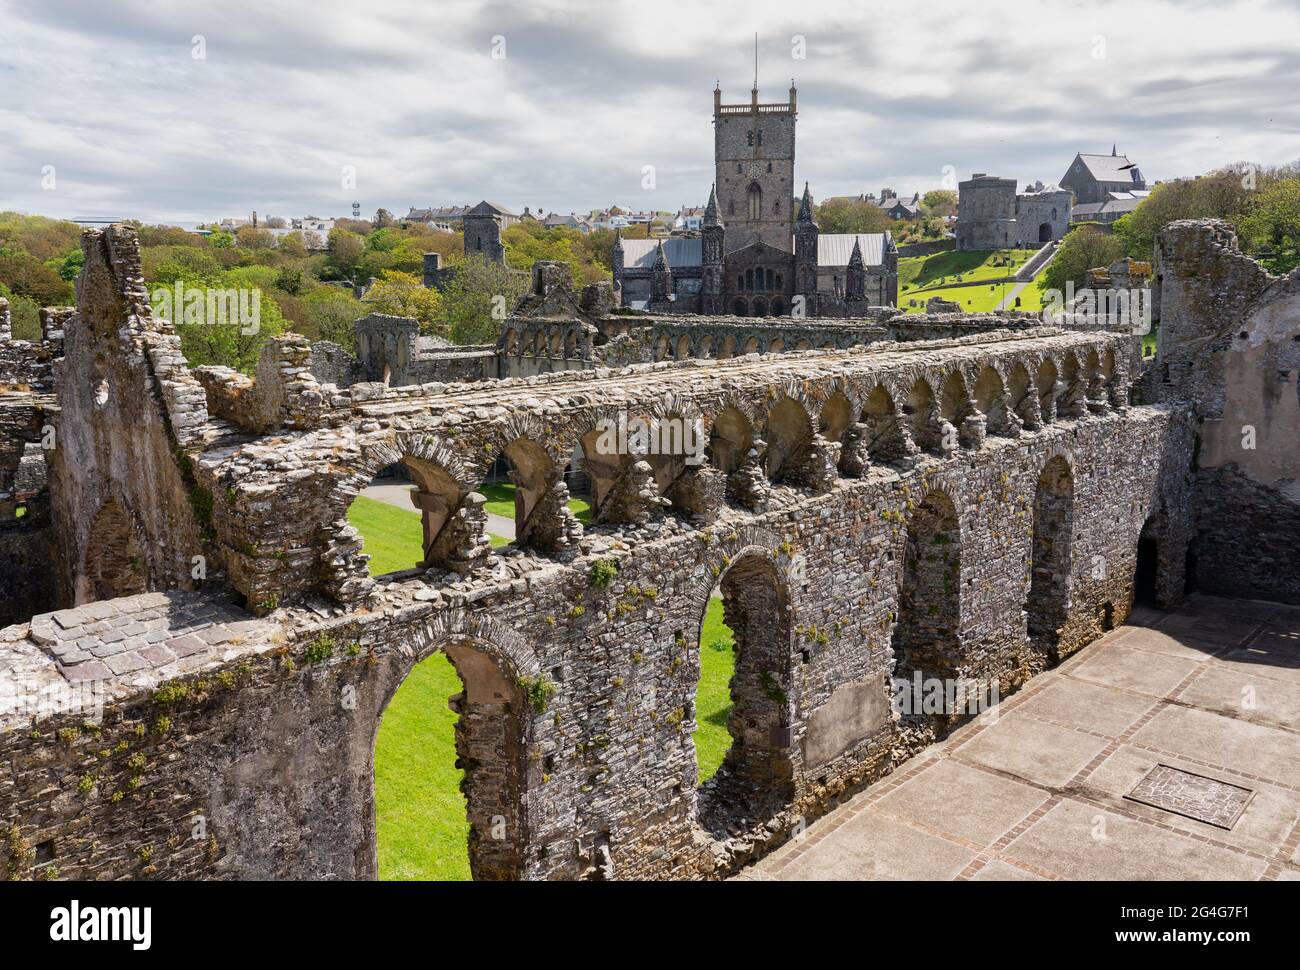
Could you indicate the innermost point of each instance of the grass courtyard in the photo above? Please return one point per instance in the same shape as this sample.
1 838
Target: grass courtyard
420 812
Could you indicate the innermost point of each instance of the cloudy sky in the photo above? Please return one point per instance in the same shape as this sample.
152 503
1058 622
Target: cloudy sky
179 110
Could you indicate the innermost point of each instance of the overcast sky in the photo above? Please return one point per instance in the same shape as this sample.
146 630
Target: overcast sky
287 96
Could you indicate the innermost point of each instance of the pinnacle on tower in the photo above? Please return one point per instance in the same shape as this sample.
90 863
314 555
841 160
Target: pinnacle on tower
711 209
806 207
855 258
661 259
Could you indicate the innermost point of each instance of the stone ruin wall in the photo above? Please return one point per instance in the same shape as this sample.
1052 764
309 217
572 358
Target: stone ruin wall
1229 343
578 710
131 518
281 770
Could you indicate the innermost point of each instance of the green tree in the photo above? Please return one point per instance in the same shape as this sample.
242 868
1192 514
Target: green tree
232 344
1219 195
477 298
939 202
842 215
1082 249
404 295
345 250
332 313
1270 225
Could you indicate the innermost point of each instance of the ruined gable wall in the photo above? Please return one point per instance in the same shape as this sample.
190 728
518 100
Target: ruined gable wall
1229 342
128 409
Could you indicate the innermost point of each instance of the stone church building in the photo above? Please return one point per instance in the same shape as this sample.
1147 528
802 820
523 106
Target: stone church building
760 252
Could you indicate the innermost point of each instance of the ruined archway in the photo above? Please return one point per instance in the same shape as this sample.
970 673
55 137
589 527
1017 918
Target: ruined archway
114 563
788 434
756 777
1048 602
441 778
926 641
527 499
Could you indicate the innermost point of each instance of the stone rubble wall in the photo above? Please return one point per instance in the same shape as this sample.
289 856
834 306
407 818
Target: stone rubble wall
1229 343
262 735
129 408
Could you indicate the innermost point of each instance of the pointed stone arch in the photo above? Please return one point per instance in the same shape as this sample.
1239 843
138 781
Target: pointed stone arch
114 562
493 732
926 638
1047 604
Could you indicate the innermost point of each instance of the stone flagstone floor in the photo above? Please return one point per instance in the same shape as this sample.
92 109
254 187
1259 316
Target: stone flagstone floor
1035 789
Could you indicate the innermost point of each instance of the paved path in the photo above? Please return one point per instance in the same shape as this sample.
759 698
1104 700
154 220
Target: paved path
1009 301
1035 789
392 491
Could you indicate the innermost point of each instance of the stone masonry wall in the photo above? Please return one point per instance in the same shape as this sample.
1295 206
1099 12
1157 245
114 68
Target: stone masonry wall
270 743
1229 343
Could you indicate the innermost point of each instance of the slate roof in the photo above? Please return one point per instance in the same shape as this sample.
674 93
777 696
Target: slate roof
680 253
835 248
1111 168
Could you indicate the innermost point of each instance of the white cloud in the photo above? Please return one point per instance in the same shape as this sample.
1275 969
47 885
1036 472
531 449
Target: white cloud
588 93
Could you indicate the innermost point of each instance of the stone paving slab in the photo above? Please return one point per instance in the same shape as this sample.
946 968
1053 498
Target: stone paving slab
1035 789
115 638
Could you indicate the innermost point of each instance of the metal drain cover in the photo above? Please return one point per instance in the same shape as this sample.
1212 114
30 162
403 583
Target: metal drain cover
1183 793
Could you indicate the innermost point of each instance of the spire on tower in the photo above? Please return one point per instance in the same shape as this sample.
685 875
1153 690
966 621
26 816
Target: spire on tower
805 216
711 209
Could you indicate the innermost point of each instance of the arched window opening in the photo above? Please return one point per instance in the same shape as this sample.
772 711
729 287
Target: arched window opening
1048 602
748 617
926 634
450 770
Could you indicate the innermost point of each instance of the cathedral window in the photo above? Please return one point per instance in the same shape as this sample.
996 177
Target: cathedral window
760 137
769 279
779 284
749 279
749 137
755 202
769 166
740 281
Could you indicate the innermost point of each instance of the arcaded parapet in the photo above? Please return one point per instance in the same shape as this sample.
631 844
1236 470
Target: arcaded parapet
127 517
580 675
1229 343
939 394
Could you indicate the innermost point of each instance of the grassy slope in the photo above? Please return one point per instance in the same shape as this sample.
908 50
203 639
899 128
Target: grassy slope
420 812
973 299
919 272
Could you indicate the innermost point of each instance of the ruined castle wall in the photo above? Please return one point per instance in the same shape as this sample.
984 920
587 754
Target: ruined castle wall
275 751
126 516
1229 343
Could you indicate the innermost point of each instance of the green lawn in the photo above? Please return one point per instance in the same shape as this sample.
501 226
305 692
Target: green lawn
940 269
419 810
501 501
393 536
973 299
713 698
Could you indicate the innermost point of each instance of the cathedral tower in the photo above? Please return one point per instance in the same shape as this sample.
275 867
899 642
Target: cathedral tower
753 152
